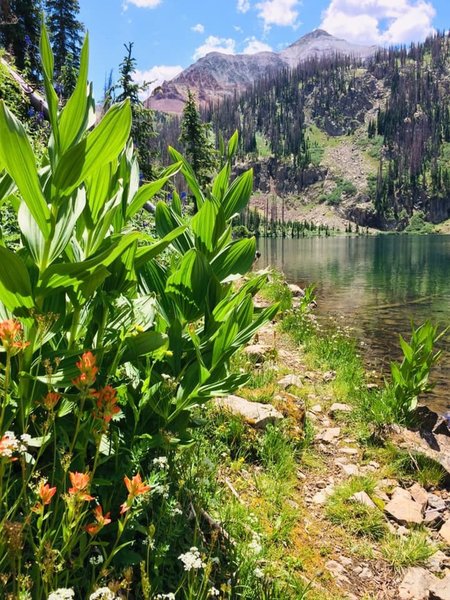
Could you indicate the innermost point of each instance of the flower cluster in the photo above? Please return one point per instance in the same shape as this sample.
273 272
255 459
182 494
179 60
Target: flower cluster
103 593
135 488
80 486
62 594
161 463
11 336
88 371
9 444
100 521
45 494
192 559
50 400
106 404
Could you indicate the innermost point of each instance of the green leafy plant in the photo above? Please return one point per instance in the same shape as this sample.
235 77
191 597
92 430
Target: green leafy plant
105 348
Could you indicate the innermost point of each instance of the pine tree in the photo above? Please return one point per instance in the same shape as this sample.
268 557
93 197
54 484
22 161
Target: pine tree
198 147
65 32
143 128
19 33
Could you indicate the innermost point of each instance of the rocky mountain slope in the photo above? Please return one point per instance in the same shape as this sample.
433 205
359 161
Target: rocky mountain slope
217 75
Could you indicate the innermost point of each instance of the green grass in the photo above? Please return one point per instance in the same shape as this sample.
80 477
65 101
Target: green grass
408 551
276 290
356 518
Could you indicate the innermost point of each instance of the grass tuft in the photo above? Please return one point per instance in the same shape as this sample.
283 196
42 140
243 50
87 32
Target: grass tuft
413 549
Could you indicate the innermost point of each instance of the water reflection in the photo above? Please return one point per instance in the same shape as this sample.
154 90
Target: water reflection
380 284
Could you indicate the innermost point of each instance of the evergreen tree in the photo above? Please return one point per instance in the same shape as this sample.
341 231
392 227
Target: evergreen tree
19 33
142 129
66 34
195 139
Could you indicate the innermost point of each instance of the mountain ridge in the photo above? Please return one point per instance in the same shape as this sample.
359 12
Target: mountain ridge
218 75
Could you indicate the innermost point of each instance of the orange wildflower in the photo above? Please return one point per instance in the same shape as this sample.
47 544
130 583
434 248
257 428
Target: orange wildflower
106 403
46 493
51 400
88 369
135 487
80 485
11 335
100 521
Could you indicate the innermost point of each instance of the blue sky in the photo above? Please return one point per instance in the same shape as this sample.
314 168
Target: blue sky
169 35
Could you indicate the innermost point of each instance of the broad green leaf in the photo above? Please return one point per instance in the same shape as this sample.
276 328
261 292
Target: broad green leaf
48 68
144 344
74 116
146 253
225 336
233 145
235 259
100 147
15 285
176 203
221 182
31 233
18 157
188 285
238 194
99 188
7 187
68 214
167 221
208 225
189 175
147 191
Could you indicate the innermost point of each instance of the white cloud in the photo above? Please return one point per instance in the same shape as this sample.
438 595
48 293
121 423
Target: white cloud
155 76
238 28
199 28
253 46
379 21
278 12
243 6
142 3
215 44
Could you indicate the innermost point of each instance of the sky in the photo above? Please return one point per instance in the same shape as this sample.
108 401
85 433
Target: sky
169 35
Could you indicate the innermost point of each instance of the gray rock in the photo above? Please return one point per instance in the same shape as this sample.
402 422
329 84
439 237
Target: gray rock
290 380
404 510
296 290
416 584
401 493
437 562
350 470
258 353
363 498
349 451
436 502
432 517
316 408
419 494
339 407
444 532
440 588
329 435
257 414
329 376
322 496
434 445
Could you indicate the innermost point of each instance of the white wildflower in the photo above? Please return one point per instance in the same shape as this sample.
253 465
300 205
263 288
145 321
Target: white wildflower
96 559
259 573
62 594
176 510
161 462
213 592
255 545
169 596
192 559
103 593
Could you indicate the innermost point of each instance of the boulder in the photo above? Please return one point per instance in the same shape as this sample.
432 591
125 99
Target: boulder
440 588
419 494
257 414
444 532
290 380
436 502
363 498
329 376
339 407
329 435
258 353
405 511
416 584
296 290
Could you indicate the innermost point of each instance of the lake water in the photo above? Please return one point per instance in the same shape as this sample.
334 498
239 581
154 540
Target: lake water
378 284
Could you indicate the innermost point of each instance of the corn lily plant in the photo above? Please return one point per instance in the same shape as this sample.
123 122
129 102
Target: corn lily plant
105 348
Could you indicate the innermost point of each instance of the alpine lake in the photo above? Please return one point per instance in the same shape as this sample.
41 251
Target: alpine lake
378 286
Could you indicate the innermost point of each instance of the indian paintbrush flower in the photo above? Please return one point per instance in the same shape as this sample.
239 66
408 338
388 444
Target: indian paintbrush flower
80 485
46 494
135 488
88 371
101 521
51 399
11 336
106 404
